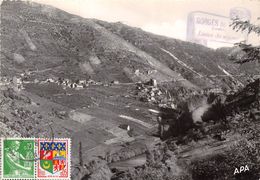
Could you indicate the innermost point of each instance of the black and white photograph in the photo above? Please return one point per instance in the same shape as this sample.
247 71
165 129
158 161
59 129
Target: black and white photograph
130 89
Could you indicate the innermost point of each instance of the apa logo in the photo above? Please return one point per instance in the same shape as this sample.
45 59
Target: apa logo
241 169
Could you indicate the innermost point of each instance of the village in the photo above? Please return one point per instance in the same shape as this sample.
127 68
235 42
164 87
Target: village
19 81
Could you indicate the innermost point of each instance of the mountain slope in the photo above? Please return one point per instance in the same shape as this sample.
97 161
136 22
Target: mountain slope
72 47
195 62
53 43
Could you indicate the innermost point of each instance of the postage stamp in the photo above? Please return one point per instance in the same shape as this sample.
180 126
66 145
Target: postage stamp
15 155
35 158
54 159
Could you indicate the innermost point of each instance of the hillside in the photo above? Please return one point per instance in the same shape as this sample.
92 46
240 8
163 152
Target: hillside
198 64
73 47
45 39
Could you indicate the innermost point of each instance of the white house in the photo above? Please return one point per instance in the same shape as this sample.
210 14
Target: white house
79 86
82 81
50 80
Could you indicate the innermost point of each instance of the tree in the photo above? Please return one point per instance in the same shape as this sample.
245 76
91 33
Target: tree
251 53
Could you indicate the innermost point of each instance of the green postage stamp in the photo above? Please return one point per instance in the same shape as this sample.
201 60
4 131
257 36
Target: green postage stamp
35 158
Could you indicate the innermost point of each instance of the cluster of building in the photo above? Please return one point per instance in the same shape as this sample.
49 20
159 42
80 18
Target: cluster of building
4 81
16 82
78 84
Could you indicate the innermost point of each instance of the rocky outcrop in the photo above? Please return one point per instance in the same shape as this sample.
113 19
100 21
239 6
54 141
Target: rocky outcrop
214 108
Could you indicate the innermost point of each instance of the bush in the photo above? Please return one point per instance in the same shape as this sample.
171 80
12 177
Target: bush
222 166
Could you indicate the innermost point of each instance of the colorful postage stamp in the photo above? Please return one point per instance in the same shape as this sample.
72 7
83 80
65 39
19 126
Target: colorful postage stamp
35 158
15 158
54 159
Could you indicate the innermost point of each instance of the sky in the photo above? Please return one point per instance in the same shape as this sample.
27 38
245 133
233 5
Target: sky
163 17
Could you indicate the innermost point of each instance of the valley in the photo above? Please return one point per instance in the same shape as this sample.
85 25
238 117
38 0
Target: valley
136 105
